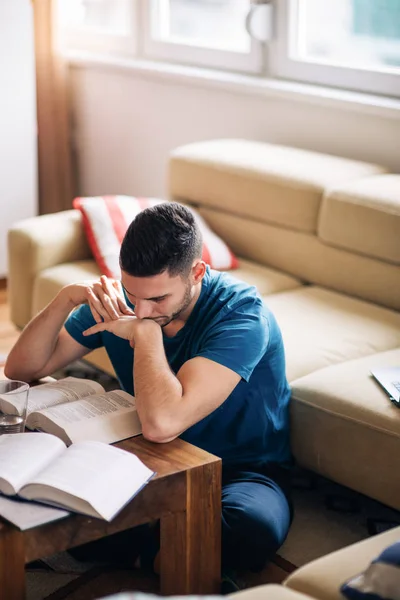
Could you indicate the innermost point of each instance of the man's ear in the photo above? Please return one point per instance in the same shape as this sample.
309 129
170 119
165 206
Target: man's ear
198 271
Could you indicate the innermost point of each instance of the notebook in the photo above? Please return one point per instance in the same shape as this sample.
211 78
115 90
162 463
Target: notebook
389 379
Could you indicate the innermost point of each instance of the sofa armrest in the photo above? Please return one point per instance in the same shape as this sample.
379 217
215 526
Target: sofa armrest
36 244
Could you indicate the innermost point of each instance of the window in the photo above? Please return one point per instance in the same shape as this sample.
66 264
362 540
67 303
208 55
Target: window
351 44
106 26
202 32
214 24
209 33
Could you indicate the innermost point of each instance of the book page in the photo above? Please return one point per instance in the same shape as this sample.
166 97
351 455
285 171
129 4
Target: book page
23 455
109 417
62 391
103 476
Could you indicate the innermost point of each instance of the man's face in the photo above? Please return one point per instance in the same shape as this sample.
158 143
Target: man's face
161 298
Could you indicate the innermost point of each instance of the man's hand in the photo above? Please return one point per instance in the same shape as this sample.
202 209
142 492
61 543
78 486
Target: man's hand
125 327
105 298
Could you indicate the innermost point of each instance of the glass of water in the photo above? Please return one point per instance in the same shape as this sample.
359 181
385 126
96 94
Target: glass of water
13 406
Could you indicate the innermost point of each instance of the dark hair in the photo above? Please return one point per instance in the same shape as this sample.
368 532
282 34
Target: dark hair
164 237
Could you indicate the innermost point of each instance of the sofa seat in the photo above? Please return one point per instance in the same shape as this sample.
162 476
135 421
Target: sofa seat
343 408
323 578
330 328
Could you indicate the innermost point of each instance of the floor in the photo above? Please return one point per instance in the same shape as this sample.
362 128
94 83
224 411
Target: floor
96 584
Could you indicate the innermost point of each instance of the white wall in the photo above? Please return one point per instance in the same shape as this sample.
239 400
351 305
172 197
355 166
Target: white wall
126 124
18 179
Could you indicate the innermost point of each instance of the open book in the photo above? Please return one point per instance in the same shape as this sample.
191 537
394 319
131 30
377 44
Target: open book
89 477
79 409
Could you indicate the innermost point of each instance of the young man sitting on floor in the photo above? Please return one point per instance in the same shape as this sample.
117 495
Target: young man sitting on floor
204 358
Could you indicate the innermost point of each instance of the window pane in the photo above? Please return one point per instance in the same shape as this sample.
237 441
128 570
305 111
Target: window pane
218 24
101 16
353 33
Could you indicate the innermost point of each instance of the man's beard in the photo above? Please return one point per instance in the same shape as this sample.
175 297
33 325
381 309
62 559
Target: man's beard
187 298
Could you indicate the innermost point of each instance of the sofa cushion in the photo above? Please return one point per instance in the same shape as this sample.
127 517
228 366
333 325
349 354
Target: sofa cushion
48 282
266 182
323 578
381 579
322 328
308 258
39 243
107 218
267 281
345 427
372 201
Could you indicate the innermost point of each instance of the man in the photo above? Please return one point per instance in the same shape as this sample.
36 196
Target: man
204 358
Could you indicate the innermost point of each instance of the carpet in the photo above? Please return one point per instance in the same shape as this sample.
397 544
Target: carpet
327 517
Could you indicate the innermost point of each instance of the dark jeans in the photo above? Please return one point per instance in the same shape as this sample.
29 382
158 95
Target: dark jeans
256 516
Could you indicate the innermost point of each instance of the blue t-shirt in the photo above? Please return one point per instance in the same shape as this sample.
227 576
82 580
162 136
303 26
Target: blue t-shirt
230 325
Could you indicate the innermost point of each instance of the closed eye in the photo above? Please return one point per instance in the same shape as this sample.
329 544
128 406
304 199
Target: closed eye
132 298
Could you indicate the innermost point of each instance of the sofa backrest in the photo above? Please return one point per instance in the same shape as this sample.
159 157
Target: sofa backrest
324 219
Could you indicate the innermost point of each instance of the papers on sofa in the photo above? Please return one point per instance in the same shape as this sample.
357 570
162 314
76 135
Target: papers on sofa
79 409
91 478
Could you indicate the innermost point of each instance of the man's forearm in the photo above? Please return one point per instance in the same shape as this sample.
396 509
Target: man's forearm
157 391
38 340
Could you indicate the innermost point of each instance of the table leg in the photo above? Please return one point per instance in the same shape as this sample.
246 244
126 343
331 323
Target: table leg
12 563
190 557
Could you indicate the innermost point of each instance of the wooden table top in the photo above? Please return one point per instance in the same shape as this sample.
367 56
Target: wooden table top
167 459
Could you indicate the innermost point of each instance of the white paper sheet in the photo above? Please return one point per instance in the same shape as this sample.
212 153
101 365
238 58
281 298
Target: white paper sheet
26 515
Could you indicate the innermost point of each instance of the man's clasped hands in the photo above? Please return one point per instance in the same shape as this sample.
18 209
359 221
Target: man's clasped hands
108 306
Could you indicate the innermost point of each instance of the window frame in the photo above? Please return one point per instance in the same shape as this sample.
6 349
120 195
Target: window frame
190 54
271 59
283 66
97 42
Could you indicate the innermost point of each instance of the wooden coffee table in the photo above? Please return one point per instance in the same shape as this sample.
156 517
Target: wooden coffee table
185 495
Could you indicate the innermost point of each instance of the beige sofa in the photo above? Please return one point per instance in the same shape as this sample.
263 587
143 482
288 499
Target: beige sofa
320 237
322 579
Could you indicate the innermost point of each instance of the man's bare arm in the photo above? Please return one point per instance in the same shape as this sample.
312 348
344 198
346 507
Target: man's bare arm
168 404
42 348
45 346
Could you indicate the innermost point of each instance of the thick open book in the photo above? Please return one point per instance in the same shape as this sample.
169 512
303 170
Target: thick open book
79 409
88 477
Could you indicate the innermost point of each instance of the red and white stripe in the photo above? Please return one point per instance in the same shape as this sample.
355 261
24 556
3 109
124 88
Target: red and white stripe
106 219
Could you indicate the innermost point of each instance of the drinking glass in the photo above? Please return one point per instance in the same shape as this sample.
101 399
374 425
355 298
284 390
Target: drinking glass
13 406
